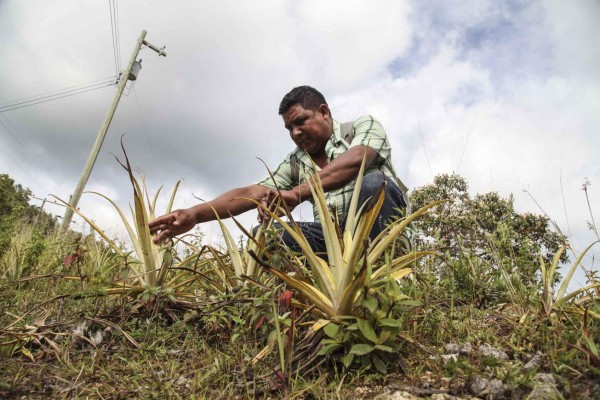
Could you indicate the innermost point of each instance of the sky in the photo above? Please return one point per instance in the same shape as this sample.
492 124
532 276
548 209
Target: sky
504 93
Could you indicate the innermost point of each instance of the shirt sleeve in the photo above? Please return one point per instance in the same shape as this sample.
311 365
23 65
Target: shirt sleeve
369 132
282 177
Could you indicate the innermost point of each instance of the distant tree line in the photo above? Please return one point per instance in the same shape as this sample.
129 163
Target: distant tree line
484 229
15 212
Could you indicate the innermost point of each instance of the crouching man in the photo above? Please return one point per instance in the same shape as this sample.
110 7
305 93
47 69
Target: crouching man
336 150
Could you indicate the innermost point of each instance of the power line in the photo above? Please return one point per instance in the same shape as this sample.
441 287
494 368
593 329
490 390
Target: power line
424 148
112 32
18 164
466 143
118 31
59 91
54 97
20 140
145 128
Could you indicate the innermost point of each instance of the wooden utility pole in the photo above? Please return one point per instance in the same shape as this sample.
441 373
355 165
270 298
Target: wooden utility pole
87 170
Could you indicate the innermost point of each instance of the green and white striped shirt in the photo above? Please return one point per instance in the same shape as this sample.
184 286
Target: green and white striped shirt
367 132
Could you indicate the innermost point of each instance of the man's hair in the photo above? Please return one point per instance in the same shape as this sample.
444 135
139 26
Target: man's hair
308 97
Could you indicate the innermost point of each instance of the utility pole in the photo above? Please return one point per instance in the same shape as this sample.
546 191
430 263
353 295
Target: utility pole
87 170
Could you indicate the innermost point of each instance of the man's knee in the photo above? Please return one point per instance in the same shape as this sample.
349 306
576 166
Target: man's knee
371 184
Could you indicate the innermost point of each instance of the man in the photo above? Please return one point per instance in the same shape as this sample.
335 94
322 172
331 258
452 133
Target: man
317 136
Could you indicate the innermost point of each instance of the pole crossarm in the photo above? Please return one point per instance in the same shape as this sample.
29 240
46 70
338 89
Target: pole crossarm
161 52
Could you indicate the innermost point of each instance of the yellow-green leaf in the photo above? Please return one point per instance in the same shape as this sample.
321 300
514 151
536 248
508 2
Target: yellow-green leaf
367 330
361 349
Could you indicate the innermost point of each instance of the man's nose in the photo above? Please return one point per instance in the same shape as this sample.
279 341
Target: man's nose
296 132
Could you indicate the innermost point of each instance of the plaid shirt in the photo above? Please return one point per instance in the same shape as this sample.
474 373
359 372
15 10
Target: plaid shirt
367 132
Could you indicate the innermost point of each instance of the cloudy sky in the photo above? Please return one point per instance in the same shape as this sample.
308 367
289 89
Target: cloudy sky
505 93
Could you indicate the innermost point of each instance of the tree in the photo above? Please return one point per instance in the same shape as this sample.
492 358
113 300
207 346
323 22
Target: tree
13 197
484 230
16 211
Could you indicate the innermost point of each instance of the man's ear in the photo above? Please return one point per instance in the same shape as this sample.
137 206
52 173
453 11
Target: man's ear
324 110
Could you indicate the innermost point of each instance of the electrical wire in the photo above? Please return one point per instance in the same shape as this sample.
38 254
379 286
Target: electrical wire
131 85
424 148
10 128
466 143
33 178
61 95
118 32
58 91
145 128
112 32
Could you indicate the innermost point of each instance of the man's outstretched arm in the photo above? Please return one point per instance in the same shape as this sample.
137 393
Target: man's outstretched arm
231 203
334 175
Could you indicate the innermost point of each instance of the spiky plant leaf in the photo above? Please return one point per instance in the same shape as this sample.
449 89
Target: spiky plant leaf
563 287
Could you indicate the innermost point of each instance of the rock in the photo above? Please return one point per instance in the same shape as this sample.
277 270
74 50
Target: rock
466 349
445 383
544 388
448 357
495 387
482 387
428 380
535 362
452 348
446 396
544 392
182 381
545 378
489 351
96 338
81 328
477 384
397 395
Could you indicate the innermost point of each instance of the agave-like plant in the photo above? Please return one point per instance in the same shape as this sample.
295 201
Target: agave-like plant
240 266
352 261
153 261
12 262
551 301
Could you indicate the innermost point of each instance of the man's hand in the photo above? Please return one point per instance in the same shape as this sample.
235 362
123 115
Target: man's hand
172 224
289 198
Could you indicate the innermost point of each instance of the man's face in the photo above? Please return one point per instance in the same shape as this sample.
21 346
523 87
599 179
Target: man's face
309 129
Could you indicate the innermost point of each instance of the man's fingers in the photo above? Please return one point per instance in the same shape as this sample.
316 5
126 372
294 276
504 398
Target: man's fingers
162 236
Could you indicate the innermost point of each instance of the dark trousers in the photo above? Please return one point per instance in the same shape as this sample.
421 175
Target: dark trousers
393 205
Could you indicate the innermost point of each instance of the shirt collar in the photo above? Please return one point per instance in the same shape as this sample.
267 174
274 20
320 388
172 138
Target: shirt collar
337 133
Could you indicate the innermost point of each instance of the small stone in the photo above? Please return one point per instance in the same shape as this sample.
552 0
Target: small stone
443 396
96 338
545 378
477 384
81 328
182 381
495 387
481 386
397 395
427 380
445 382
452 348
466 349
448 357
488 351
535 361
544 392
